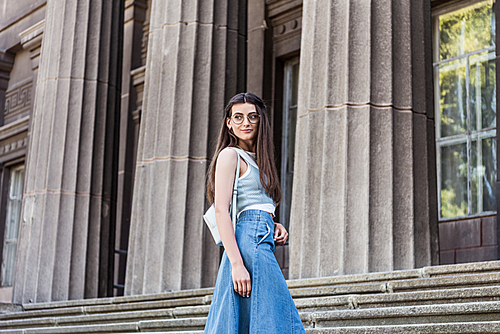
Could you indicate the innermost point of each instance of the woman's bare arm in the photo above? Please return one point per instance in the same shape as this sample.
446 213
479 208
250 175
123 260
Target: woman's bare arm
225 171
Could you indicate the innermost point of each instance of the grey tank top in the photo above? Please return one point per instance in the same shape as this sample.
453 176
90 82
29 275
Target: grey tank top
250 189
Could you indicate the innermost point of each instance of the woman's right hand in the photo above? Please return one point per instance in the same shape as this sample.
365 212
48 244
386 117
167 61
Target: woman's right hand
241 280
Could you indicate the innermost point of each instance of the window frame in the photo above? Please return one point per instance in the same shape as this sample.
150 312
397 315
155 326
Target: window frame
8 171
469 136
285 135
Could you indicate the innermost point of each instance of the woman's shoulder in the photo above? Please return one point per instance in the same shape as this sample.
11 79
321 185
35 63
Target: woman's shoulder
227 155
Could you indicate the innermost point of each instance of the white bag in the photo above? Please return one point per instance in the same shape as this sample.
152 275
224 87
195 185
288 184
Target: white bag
209 216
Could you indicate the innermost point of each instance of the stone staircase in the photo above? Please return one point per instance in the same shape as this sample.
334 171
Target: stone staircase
443 299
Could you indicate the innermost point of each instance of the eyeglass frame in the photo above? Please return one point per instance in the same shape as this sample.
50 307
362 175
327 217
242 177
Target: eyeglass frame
247 116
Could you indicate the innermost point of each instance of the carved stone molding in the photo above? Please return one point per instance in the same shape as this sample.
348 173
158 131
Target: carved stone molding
13 139
14 145
145 35
31 40
286 21
18 101
279 7
138 76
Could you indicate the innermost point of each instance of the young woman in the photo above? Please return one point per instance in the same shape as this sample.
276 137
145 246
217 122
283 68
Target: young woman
251 295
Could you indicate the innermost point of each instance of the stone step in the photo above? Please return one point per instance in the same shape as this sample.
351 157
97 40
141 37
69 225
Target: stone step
485 327
458 318
381 300
465 275
404 315
174 296
447 318
109 318
157 310
398 275
416 284
448 328
427 295
348 296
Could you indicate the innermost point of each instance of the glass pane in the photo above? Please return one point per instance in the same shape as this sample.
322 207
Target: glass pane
454 180
9 261
465 30
290 88
483 98
295 84
489 175
17 187
453 98
476 172
13 216
12 225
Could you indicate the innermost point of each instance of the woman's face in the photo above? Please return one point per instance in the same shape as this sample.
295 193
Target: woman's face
244 121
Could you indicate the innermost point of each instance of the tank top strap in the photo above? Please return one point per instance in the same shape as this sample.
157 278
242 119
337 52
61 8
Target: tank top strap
244 155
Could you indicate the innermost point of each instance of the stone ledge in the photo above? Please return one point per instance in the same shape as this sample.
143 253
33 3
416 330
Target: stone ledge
450 328
124 317
476 294
354 279
445 313
445 282
338 290
147 305
10 308
67 303
173 324
43 313
114 328
122 300
425 272
385 300
465 268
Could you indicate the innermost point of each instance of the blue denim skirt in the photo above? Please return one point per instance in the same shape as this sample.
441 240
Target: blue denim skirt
270 307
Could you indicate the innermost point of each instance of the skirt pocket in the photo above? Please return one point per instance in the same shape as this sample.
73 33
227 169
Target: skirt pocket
268 231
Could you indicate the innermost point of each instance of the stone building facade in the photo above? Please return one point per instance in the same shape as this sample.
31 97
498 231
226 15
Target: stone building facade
111 110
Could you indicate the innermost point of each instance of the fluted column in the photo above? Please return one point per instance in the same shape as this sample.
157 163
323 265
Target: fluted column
194 65
66 237
364 168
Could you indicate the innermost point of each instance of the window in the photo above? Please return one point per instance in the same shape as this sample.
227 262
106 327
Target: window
13 217
465 104
290 91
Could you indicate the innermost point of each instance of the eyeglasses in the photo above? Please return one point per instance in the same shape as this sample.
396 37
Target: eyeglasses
252 118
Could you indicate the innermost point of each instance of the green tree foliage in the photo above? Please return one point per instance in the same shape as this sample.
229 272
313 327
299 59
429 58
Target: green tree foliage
469 29
463 31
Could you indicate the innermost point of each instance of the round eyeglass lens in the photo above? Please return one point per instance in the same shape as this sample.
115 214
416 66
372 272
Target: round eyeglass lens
252 118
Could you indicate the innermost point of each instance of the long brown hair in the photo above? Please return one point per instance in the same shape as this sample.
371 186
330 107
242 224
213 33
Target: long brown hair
264 149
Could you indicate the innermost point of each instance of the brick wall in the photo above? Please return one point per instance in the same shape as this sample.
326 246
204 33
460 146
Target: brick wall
468 240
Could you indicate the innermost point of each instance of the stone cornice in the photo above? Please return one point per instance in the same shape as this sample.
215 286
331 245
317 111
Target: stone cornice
279 7
31 38
14 128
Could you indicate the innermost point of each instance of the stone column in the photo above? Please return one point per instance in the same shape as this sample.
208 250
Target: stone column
66 237
364 182
194 65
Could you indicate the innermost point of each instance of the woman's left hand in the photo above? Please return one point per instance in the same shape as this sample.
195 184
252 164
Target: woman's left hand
280 234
